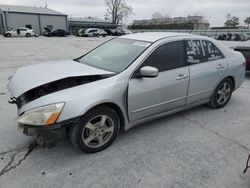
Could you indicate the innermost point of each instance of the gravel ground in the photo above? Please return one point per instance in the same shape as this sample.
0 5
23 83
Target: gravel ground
200 147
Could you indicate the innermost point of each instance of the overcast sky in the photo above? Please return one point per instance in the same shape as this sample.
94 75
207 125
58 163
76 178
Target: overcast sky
213 10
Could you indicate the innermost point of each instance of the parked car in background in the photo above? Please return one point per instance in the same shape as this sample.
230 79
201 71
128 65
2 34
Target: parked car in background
118 31
80 32
110 32
56 33
246 36
121 31
91 32
245 50
124 82
20 32
102 32
233 37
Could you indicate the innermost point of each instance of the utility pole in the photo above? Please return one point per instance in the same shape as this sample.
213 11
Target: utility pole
106 16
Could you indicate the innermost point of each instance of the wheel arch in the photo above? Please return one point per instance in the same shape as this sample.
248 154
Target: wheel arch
116 108
232 79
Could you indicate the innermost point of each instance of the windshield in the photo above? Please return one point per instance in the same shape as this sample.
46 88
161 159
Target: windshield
115 55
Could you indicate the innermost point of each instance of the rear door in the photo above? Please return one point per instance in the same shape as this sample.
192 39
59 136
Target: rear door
23 32
152 96
207 68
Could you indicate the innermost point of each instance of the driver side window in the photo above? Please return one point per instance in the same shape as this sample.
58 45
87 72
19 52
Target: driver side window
166 57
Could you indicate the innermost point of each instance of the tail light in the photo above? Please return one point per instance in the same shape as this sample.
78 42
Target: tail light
244 63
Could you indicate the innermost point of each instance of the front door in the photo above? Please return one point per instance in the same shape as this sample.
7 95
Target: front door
152 96
15 32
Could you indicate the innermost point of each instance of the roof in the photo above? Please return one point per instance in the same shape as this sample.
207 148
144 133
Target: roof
153 36
29 9
72 19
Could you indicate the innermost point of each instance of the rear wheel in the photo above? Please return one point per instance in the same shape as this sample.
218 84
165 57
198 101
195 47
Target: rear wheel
28 35
96 130
222 94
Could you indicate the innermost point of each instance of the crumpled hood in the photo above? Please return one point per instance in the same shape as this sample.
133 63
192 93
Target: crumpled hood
29 77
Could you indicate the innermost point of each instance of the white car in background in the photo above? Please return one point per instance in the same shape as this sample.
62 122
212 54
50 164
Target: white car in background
20 32
94 32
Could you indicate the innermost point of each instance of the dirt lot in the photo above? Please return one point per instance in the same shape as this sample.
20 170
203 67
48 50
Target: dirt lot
200 147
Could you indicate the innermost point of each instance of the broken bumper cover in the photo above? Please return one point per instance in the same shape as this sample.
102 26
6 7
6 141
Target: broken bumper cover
55 131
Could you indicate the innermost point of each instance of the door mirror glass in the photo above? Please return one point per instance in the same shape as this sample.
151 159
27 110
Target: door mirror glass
149 72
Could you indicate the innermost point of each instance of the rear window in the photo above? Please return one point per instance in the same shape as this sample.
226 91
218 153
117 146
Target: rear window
211 51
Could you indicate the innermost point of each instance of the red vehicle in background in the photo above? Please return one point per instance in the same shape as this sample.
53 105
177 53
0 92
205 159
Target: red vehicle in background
245 50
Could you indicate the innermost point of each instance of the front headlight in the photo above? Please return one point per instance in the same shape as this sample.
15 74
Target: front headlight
45 115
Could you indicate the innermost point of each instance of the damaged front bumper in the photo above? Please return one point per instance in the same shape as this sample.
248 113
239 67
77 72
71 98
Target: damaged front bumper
48 136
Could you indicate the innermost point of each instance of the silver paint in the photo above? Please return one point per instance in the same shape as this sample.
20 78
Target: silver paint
139 99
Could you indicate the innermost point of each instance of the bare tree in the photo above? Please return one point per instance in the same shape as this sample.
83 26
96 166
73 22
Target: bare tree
247 21
118 10
231 21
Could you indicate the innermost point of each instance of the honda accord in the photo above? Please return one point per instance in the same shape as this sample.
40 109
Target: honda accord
122 83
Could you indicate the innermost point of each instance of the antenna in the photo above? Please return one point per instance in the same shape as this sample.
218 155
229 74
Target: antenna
46 5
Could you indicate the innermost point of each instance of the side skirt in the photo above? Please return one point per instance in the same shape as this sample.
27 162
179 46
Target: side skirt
132 124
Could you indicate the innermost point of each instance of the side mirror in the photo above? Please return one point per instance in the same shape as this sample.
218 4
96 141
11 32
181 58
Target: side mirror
149 72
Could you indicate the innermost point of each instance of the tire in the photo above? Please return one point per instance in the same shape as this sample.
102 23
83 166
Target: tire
8 35
222 94
28 35
90 135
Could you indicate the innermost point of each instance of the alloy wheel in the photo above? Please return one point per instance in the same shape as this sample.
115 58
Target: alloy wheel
223 93
98 131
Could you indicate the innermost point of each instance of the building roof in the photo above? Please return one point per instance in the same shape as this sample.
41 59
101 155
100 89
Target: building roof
153 36
87 19
29 9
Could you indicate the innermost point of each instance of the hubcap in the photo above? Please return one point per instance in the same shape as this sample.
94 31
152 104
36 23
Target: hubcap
223 93
98 131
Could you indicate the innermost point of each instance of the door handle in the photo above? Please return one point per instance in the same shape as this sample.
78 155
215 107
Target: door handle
181 77
220 66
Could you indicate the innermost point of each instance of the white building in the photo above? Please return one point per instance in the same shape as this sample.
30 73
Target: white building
12 16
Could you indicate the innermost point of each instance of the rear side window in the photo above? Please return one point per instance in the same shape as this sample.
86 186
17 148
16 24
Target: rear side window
166 57
211 51
194 51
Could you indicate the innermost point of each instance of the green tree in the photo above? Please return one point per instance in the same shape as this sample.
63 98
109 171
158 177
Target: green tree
247 21
231 21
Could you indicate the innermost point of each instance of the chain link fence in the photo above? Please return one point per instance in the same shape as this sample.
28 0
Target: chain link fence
244 33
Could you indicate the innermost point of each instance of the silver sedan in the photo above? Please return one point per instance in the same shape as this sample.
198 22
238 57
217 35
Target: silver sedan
122 83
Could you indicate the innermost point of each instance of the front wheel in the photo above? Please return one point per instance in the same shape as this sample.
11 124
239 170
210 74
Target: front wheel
222 94
28 35
96 130
8 35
